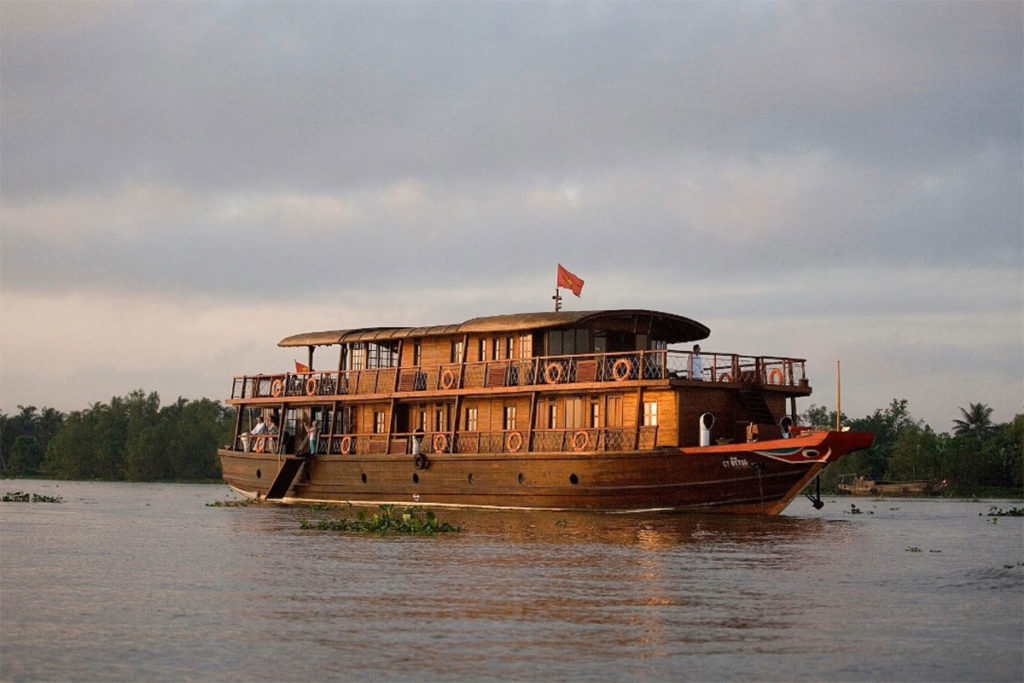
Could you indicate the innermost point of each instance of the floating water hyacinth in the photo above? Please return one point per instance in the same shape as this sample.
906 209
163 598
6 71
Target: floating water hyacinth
410 521
999 512
22 497
233 503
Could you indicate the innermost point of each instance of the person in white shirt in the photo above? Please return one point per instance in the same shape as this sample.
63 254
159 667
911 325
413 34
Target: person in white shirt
260 427
696 363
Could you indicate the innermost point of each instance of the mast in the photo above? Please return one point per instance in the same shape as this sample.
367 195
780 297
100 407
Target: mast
839 394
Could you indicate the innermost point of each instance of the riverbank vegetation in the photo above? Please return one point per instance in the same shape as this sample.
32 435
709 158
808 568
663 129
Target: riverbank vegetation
134 438
977 458
131 438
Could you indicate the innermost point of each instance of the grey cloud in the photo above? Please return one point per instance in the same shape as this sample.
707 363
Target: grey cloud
329 95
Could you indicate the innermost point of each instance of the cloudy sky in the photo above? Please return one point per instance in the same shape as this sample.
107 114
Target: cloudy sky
184 184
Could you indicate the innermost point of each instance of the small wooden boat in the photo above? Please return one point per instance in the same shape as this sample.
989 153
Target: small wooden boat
859 485
566 410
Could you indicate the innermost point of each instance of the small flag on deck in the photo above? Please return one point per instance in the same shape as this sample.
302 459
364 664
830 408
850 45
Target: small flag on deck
569 281
300 368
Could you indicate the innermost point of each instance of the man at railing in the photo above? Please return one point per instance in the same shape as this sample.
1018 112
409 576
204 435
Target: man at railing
696 363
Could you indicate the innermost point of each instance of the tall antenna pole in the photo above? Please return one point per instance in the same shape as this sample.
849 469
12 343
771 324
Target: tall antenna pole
558 300
839 394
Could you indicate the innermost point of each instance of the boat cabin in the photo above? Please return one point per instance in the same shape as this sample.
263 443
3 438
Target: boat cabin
612 380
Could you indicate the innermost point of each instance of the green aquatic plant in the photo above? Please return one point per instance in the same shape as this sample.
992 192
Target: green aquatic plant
411 520
22 497
233 503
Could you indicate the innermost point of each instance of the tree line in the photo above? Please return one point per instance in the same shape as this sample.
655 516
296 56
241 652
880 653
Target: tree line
131 438
978 457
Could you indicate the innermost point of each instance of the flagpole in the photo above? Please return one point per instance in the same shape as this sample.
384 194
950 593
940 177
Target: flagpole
558 300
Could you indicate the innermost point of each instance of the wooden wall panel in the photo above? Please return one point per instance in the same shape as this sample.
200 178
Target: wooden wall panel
721 403
668 416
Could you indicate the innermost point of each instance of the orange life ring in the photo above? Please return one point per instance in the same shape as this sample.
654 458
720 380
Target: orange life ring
276 388
310 386
440 443
514 441
775 376
448 379
621 369
260 444
725 377
553 373
580 440
346 445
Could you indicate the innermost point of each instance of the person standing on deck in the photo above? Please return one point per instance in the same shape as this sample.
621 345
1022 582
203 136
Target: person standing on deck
696 363
311 432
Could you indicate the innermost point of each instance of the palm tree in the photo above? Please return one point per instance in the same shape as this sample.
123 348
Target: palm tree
977 422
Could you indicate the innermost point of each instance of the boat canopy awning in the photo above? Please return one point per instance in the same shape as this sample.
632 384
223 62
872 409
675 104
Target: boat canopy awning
665 327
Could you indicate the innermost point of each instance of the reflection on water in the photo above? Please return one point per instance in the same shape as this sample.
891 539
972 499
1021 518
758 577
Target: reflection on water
147 581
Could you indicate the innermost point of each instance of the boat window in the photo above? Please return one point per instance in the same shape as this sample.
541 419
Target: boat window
348 422
574 415
554 343
481 349
612 341
382 354
526 346
357 356
472 419
650 413
509 347
595 414
380 422
510 418
495 347
456 355
568 342
552 415
417 353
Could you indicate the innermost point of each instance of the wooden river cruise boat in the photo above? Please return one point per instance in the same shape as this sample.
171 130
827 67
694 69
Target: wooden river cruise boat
565 410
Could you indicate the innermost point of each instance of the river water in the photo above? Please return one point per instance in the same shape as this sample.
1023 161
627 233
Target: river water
150 582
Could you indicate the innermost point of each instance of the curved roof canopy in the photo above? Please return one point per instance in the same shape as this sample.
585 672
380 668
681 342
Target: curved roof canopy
664 327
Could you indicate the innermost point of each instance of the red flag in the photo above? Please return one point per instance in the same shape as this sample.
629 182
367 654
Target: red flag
569 281
300 368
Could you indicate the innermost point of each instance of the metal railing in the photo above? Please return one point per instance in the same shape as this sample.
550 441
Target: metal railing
545 370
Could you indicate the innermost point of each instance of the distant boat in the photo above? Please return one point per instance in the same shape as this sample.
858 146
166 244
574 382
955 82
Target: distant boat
584 410
859 485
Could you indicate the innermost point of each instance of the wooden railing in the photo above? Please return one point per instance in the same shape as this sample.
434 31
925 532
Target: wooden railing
546 370
512 441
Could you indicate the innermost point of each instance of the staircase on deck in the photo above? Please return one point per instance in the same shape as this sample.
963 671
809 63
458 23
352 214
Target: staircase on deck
752 400
285 476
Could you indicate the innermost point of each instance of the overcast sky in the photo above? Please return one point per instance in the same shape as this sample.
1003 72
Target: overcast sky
184 184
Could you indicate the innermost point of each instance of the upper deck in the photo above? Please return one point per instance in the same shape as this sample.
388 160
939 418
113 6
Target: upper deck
554 351
549 373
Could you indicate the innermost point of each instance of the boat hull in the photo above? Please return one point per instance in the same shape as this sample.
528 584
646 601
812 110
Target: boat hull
755 478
